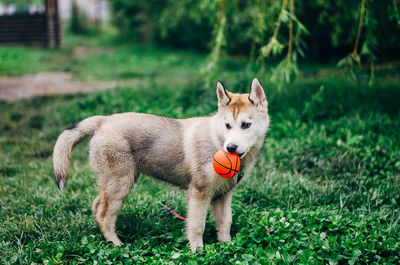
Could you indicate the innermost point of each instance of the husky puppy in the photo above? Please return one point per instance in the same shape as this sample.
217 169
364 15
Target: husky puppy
178 151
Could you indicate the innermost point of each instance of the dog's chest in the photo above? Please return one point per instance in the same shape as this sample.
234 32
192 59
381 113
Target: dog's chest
220 186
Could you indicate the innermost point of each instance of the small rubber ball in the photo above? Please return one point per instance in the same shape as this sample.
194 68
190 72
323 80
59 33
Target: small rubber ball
227 165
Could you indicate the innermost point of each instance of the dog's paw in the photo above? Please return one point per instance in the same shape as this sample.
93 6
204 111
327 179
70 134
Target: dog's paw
116 242
194 244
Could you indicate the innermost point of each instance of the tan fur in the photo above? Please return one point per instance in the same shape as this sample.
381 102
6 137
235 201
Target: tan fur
239 103
177 151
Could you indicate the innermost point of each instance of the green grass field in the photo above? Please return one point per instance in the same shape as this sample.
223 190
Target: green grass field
326 189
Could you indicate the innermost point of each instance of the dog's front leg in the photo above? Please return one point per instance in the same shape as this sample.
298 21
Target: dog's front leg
222 212
198 203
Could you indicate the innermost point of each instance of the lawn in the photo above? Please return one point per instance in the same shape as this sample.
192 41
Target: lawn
326 188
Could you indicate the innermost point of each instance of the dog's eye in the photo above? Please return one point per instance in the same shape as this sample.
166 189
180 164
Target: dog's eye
228 126
246 125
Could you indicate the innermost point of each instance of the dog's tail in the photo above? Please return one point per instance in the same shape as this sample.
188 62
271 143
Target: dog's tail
66 141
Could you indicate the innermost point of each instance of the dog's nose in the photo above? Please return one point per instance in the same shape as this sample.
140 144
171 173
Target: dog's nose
231 148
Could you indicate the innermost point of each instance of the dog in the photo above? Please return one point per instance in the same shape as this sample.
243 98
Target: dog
177 151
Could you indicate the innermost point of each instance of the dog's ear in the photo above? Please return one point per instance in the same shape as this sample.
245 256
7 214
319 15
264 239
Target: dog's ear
223 95
257 95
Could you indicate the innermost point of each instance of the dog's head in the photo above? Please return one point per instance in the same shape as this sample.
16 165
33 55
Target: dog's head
244 118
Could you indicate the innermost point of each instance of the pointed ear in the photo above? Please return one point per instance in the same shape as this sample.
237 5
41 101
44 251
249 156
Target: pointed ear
223 95
257 95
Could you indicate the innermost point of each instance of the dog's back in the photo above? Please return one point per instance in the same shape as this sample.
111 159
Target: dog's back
154 143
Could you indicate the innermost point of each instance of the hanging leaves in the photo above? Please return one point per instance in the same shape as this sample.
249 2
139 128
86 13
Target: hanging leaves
287 69
274 45
269 31
219 42
353 62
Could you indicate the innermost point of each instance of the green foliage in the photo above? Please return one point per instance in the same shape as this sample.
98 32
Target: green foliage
137 62
326 188
287 69
220 41
80 23
350 64
323 30
111 60
284 72
16 61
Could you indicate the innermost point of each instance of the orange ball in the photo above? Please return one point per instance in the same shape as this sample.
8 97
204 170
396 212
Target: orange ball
226 165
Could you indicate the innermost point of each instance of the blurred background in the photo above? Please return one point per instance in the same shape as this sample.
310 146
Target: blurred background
326 188
278 41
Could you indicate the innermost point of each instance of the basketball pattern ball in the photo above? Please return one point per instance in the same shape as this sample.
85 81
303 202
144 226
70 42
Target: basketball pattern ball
226 165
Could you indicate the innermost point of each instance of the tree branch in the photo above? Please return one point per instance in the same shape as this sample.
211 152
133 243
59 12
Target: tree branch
360 25
290 49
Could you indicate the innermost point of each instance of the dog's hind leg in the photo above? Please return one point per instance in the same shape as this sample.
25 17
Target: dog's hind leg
115 182
109 203
222 212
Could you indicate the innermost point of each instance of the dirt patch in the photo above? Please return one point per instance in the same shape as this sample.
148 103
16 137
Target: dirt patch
82 51
46 83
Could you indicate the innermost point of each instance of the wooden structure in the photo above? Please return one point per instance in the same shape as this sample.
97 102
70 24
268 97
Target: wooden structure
43 29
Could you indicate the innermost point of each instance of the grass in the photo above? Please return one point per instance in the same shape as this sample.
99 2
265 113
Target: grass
103 59
326 189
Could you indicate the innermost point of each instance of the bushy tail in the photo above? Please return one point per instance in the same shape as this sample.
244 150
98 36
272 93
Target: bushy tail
66 141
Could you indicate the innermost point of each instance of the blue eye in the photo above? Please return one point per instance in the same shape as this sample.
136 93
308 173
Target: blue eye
245 125
228 126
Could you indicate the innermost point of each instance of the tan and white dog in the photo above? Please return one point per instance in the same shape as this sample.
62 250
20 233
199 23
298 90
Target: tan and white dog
178 151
